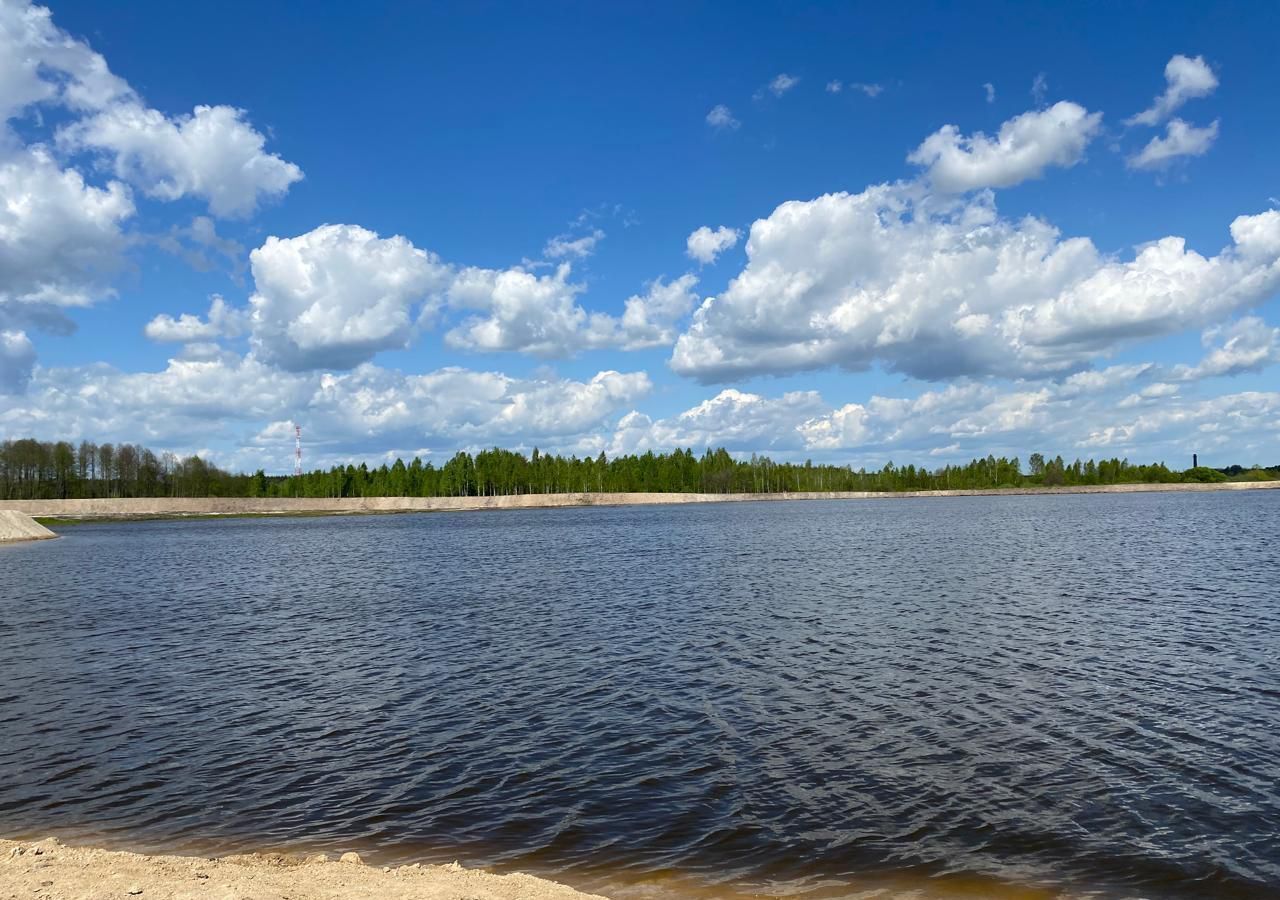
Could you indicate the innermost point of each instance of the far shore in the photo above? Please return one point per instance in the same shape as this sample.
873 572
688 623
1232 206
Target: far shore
70 511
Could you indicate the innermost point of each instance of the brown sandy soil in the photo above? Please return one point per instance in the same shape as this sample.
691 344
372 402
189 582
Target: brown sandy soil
48 870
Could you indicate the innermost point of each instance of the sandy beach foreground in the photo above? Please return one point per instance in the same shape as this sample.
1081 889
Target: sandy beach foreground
49 870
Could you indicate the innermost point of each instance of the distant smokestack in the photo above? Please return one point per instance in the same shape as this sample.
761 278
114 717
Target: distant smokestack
1195 461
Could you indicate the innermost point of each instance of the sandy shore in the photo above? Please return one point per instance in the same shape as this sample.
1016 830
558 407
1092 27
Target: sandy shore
231 506
48 870
16 526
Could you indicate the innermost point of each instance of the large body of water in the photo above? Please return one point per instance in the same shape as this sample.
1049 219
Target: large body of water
1076 694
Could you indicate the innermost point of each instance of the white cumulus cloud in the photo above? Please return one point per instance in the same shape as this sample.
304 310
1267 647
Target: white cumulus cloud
1120 411
936 290
1025 146
193 403
734 419
1180 140
41 63
521 311
649 319
1246 345
60 238
222 322
335 296
213 154
705 245
1186 78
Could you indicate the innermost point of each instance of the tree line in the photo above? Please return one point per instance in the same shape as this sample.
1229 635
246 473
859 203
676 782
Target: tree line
31 469
42 470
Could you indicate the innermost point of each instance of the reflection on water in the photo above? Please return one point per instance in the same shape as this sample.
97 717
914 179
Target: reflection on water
973 697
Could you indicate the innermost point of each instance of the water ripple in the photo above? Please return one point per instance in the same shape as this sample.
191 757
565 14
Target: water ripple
1065 695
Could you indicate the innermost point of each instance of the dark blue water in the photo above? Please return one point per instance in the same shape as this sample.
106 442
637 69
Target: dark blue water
1079 694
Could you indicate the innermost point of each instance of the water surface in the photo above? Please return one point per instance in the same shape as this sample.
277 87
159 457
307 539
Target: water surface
1071 694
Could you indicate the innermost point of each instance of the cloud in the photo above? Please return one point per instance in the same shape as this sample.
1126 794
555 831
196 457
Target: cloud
201 247
459 407
526 312
838 429
38 316
800 422
872 90
721 118
1187 78
934 289
649 319
188 404
1246 345
705 245
970 419
991 91
1025 146
337 295
221 322
1150 395
563 245
1039 88
40 63
17 359
213 154
1232 426
1180 140
734 419
193 403
60 238
521 311
780 84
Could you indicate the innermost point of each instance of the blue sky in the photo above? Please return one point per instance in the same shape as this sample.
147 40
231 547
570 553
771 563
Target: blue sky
434 227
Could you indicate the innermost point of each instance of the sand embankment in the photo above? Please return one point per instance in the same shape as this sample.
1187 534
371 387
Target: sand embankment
49 870
178 506
16 526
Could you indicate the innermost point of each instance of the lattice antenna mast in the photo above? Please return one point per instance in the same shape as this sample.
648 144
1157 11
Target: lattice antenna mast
297 449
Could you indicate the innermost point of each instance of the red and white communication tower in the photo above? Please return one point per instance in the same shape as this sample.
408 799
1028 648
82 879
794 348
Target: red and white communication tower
297 449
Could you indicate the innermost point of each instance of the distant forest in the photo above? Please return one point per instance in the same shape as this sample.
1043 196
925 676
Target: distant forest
32 469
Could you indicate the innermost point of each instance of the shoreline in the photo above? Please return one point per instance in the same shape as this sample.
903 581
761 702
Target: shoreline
216 507
50 869
16 526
